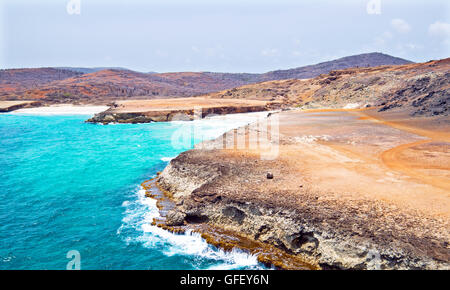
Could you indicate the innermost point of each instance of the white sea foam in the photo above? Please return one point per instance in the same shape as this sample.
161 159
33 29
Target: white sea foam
141 210
167 159
211 127
139 214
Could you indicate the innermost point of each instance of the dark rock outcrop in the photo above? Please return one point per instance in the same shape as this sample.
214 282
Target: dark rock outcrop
175 218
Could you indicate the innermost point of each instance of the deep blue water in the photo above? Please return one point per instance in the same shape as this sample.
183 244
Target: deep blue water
67 185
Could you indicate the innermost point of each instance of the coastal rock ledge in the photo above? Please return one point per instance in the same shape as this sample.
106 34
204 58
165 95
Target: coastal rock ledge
322 234
177 109
229 189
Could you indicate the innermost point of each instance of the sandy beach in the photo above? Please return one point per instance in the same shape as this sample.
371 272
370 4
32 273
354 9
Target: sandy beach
62 110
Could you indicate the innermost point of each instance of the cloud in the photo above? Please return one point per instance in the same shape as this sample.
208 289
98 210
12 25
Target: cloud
400 25
408 46
296 53
195 49
269 52
383 38
296 41
439 29
387 35
161 53
412 46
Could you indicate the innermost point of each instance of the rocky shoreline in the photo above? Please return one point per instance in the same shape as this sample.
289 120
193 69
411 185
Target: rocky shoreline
231 191
178 109
172 220
110 116
9 106
320 238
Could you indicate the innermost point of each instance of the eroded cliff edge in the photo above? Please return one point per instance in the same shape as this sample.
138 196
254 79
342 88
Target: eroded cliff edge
331 200
176 109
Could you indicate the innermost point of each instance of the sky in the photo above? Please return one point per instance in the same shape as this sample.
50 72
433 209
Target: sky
217 35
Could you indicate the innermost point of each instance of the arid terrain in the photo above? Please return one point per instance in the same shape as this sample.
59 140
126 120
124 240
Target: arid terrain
422 89
350 188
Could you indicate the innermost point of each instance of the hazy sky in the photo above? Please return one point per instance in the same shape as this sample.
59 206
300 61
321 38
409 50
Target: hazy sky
217 35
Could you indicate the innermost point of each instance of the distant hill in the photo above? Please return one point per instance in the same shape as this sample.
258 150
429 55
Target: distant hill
106 85
16 81
88 70
77 84
419 89
310 71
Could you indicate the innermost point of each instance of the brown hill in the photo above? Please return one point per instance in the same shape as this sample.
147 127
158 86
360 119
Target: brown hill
106 85
362 60
17 81
421 89
73 86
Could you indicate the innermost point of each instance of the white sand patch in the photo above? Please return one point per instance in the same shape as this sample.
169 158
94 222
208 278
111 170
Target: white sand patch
62 110
351 106
307 139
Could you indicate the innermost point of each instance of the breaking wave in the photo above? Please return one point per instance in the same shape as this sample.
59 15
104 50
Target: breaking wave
137 224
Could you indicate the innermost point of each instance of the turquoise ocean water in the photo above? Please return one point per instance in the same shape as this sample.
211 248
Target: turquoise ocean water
67 185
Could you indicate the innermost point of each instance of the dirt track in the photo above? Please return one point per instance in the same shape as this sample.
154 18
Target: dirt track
391 157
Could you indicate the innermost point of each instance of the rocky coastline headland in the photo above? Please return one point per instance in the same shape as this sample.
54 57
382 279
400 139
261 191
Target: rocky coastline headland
327 199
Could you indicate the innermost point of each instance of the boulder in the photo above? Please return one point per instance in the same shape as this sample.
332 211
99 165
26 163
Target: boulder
175 218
